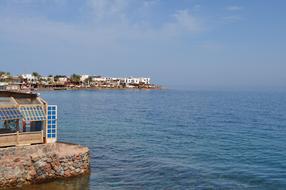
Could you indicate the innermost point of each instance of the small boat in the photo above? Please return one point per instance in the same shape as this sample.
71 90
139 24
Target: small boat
60 88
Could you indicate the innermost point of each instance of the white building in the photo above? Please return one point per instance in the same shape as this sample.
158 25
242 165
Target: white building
62 79
3 85
136 80
83 77
30 78
98 79
12 86
46 80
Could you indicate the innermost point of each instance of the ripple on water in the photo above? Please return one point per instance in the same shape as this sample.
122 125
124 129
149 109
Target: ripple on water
176 139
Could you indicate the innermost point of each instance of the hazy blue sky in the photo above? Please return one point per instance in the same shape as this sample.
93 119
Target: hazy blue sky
197 43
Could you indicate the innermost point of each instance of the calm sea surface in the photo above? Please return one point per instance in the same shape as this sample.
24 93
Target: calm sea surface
175 139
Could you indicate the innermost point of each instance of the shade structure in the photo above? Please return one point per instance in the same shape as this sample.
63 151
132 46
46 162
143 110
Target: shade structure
33 113
9 114
7 102
52 123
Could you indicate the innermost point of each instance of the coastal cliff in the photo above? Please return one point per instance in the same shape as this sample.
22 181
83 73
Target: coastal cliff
40 163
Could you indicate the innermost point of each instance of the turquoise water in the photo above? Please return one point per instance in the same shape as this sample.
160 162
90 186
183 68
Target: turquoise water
175 139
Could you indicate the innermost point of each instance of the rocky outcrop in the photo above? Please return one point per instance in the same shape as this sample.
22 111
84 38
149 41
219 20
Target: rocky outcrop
40 163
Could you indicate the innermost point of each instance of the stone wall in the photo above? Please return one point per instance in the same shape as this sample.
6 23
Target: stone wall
40 163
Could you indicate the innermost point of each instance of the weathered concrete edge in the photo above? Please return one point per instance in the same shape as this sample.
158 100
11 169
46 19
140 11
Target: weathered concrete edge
42 163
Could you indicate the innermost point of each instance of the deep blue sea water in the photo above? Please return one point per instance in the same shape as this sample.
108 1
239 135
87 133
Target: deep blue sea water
175 139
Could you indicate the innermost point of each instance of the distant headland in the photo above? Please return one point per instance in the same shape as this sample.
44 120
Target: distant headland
35 81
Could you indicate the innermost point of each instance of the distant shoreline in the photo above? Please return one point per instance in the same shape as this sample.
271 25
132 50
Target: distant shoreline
34 82
92 88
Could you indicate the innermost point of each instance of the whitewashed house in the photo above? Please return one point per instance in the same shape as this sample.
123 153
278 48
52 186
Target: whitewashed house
14 87
29 78
136 80
62 79
98 79
83 78
3 85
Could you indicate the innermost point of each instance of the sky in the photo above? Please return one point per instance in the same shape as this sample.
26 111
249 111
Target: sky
178 43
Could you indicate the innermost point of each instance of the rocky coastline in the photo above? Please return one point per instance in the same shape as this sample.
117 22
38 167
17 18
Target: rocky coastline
41 163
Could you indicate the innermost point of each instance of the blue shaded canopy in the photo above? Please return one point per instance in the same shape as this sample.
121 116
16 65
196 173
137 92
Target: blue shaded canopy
9 114
33 113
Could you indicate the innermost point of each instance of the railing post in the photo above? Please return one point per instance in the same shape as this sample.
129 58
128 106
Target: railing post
17 137
42 136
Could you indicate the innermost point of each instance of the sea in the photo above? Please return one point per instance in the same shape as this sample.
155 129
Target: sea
174 139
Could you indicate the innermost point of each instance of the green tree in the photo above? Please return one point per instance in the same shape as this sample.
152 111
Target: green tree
88 80
5 76
2 74
36 74
74 78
